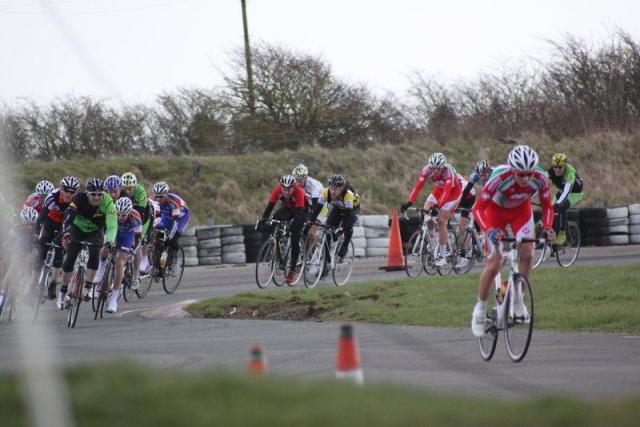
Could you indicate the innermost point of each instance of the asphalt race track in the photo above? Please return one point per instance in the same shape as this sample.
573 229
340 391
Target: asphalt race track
155 331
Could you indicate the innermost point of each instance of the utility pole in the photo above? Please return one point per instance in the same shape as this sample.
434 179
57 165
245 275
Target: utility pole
247 54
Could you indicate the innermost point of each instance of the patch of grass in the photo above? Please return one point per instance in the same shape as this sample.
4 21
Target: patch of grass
580 298
234 189
127 394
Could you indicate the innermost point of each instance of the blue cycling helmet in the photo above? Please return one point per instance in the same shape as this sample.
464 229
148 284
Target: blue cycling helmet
113 183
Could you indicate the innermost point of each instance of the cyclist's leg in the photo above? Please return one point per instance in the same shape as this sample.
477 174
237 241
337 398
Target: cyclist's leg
466 205
446 212
347 225
523 227
428 204
333 221
72 251
140 258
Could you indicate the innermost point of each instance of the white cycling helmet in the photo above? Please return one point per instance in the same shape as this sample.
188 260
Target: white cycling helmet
70 184
160 188
28 215
300 171
523 159
287 181
123 205
437 160
44 187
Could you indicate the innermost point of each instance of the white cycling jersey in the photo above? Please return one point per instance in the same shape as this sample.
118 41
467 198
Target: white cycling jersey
312 189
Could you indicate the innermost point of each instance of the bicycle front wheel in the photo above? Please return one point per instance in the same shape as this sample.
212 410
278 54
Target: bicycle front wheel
76 299
313 264
127 291
518 318
567 253
38 292
264 263
450 256
342 269
147 279
173 272
540 249
413 254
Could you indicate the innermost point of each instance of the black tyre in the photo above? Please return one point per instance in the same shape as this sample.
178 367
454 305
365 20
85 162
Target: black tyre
39 293
147 280
265 263
413 254
539 249
173 272
567 253
313 264
127 292
519 317
342 271
452 249
487 343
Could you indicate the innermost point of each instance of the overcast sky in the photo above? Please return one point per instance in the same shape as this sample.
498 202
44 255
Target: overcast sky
133 50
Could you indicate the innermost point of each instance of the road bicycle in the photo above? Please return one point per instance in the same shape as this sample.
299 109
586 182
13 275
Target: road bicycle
166 265
320 257
75 295
38 295
511 308
566 253
421 251
274 257
472 245
104 289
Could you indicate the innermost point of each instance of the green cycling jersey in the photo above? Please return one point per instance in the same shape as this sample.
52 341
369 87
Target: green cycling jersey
91 218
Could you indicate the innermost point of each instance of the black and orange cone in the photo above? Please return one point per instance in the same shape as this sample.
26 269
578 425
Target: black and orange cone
348 358
395 254
258 363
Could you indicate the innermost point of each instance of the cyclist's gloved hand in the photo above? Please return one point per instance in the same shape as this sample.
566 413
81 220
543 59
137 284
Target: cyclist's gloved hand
556 207
261 224
494 235
405 206
434 211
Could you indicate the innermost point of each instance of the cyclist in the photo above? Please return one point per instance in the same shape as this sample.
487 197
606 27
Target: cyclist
85 219
445 197
23 235
569 184
312 190
480 175
174 217
50 224
128 236
293 201
345 210
138 195
36 200
506 200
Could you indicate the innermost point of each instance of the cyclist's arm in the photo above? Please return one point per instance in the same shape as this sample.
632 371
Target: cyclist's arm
69 215
418 186
273 199
315 211
44 212
112 222
569 180
467 189
545 203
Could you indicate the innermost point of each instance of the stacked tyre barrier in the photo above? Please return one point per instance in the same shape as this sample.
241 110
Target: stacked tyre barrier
253 240
376 233
594 227
618 219
359 241
189 243
209 245
634 223
232 244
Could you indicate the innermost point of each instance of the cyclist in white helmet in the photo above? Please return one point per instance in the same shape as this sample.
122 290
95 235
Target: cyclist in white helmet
506 200
312 189
443 200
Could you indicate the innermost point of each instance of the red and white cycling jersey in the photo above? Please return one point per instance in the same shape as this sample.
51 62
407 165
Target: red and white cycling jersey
501 191
448 184
33 201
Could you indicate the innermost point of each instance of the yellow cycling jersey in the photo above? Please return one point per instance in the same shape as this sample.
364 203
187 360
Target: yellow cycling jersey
348 200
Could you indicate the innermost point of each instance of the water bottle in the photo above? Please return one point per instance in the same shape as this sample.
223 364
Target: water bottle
163 259
502 291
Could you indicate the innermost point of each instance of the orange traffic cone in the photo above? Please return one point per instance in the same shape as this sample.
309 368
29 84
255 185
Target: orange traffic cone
395 254
258 363
348 358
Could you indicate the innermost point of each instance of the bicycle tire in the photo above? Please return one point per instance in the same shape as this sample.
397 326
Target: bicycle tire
571 247
341 273
265 263
413 255
280 263
539 249
147 280
127 292
452 248
518 331
487 343
76 299
171 279
428 257
470 254
103 291
313 264
38 292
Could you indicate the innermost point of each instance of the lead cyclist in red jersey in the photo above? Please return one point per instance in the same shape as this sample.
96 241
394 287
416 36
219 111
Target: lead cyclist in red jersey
506 200
445 196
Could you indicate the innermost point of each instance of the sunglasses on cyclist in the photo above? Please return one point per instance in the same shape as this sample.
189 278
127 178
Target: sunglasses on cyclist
71 191
96 194
524 174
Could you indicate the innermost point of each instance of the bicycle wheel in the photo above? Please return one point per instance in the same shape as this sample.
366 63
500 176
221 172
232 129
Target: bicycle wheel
413 254
265 263
281 259
518 318
103 291
450 256
127 292
487 342
470 254
38 292
313 265
540 249
147 279
76 299
299 263
173 272
567 253
342 270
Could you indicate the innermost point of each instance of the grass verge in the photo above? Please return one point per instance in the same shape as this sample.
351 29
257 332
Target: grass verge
580 298
126 394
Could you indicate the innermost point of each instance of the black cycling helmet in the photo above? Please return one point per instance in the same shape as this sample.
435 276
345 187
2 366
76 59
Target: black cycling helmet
337 180
95 185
